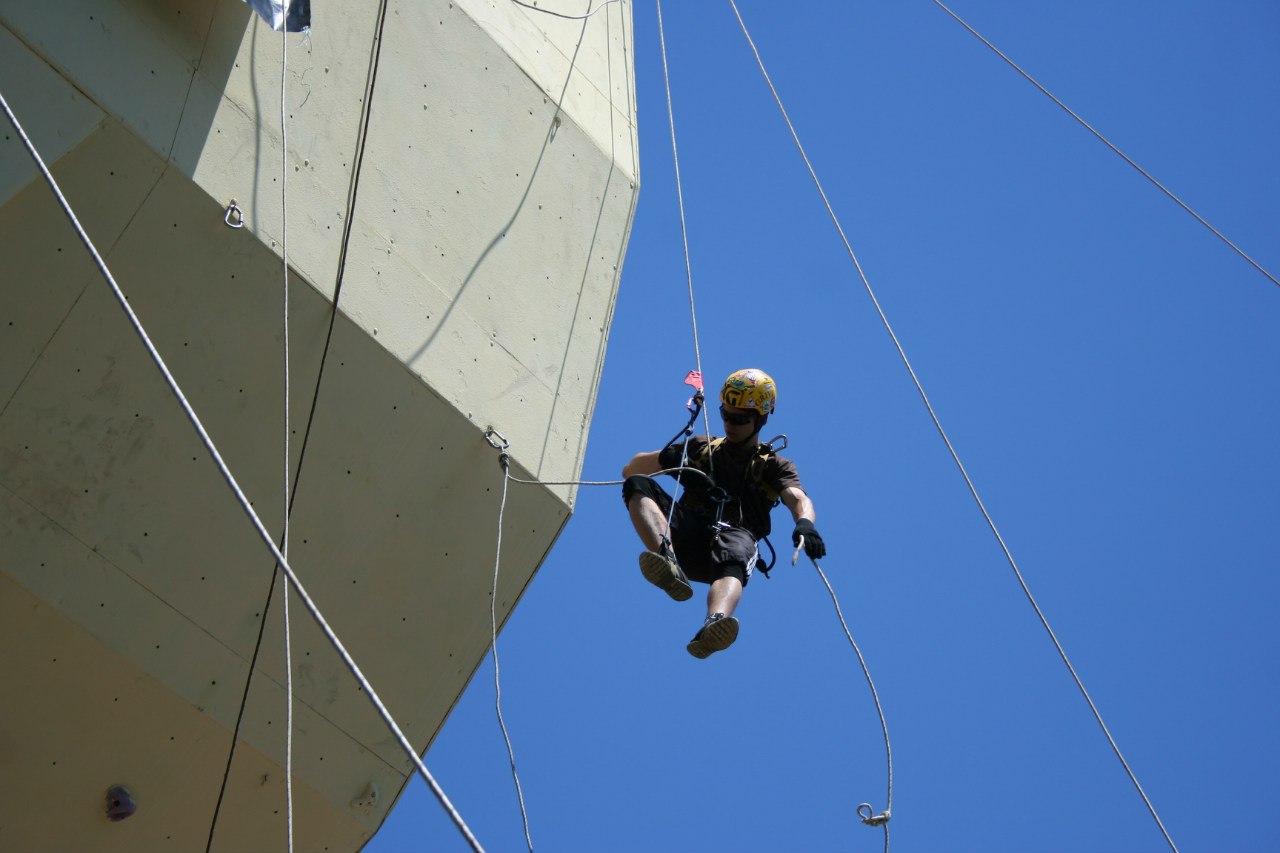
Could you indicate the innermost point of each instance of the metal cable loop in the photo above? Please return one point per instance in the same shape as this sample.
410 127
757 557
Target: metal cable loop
946 440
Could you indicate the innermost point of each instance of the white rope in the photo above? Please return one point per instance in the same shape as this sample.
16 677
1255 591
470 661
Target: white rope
230 479
493 646
868 818
684 231
284 539
946 440
1107 143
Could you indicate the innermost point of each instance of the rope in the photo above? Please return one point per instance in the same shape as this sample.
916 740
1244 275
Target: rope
244 701
534 7
505 460
348 219
1107 143
231 482
684 231
946 440
288 720
284 538
865 812
287 498
868 818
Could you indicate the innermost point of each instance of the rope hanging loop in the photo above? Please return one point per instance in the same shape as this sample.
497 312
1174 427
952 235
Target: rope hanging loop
234 216
872 820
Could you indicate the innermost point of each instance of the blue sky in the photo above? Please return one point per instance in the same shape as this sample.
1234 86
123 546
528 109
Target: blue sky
1106 368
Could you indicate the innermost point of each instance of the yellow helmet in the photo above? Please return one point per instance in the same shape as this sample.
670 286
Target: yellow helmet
750 389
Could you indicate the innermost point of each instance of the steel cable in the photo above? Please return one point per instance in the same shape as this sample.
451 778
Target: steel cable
946 440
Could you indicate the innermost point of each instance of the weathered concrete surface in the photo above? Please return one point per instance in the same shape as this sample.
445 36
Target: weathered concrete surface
488 207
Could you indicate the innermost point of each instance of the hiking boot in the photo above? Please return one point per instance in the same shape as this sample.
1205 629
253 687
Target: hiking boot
662 570
715 635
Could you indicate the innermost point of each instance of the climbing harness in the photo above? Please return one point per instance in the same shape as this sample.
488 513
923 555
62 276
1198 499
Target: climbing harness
497 441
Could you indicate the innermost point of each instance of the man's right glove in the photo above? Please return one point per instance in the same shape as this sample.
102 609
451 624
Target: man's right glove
812 541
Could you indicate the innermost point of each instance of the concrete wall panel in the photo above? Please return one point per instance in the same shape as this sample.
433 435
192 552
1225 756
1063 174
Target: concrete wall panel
237 154
144 737
55 116
134 60
585 65
494 200
42 280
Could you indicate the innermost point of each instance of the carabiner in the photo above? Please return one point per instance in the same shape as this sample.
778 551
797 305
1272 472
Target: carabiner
233 209
490 434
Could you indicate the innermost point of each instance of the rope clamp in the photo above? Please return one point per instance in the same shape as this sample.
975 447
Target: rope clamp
496 439
870 820
234 212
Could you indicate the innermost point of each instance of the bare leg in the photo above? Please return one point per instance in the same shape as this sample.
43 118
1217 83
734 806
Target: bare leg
718 635
649 521
657 564
724 595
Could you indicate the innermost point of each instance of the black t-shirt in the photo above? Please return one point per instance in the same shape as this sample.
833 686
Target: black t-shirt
754 479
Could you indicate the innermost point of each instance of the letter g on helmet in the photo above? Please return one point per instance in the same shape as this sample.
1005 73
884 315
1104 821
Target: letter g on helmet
750 389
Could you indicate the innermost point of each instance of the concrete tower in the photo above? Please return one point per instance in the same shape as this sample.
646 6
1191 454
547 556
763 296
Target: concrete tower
461 178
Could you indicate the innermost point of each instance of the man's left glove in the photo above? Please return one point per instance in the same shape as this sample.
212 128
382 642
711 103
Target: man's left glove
812 541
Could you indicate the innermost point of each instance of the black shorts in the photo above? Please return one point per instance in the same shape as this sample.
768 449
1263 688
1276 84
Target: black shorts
705 553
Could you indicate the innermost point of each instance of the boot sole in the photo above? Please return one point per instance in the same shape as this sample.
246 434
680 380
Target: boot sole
717 637
657 571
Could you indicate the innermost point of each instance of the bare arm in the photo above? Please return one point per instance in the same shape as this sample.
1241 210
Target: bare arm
798 502
643 464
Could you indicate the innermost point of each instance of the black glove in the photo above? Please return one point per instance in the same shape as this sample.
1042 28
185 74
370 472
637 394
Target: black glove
812 541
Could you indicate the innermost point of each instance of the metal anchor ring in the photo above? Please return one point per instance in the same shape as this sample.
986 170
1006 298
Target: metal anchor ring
501 442
233 210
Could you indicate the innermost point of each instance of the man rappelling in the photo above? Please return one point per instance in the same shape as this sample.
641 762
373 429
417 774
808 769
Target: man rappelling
723 513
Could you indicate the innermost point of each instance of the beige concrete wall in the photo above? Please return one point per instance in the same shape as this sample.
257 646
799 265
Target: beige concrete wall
493 282
488 221
501 170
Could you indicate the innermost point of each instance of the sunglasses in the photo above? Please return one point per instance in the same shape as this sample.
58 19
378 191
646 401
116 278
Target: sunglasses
734 419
